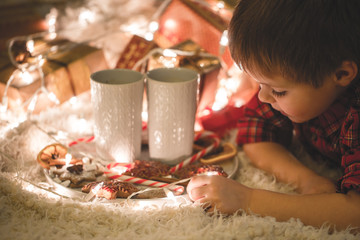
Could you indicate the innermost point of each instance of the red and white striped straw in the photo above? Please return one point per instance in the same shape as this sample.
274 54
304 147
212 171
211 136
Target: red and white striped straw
86 140
112 173
201 153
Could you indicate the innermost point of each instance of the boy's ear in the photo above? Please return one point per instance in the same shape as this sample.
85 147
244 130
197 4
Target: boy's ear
346 73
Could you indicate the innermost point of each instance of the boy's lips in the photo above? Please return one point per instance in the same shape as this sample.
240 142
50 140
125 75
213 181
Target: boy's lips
277 109
283 113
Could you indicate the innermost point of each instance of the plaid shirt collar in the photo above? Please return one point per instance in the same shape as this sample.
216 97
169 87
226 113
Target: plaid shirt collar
331 120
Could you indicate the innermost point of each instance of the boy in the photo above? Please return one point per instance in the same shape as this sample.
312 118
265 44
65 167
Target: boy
305 56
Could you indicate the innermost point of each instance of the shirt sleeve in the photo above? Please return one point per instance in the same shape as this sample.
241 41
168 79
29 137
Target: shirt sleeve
259 122
350 162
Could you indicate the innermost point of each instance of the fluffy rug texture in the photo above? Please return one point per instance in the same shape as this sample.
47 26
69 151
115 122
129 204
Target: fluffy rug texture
29 209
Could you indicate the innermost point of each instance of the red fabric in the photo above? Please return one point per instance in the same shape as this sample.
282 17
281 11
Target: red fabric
180 22
221 121
335 134
261 123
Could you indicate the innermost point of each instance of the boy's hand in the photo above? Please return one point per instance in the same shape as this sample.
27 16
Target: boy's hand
227 195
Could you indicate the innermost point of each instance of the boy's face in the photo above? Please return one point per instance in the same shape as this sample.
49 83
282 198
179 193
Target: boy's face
298 102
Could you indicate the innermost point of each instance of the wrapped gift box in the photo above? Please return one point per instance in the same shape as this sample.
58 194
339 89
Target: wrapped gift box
66 69
135 50
187 19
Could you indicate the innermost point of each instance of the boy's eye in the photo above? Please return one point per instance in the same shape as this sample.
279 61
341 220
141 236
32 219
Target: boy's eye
278 94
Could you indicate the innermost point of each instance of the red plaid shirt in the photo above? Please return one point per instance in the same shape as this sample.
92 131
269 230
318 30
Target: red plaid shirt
335 134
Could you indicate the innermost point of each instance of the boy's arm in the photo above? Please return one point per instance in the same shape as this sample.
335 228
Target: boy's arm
343 210
277 160
229 196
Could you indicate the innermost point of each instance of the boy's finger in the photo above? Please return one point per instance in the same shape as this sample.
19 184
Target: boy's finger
196 194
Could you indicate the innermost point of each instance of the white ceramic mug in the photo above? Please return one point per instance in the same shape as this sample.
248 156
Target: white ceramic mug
172 103
117 97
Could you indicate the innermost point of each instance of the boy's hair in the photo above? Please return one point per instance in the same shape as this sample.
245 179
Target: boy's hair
305 40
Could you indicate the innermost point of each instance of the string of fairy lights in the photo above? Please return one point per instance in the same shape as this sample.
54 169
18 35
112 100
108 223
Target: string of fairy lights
27 71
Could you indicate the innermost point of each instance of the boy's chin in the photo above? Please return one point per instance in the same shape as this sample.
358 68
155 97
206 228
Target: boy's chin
297 120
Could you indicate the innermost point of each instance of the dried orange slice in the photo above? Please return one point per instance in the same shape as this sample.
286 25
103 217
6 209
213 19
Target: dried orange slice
53 155
224 152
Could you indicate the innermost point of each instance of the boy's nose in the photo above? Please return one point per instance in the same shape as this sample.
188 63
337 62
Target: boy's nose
264 95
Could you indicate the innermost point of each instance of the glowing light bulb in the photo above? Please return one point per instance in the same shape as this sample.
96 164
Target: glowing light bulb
53 98
26 77
153 26
149 36
30 46
224 41
169 53
221 99
170 24
51 22
73 100
220 5
86 17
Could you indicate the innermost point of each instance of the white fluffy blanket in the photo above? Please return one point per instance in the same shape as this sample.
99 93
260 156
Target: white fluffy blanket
29 210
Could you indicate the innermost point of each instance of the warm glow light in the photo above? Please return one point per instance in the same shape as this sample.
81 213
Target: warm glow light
232 84
221 99
153 26
133 28
224 38
169 193
86 17
32 104
68 158
3 107
26 77
168 62
144 116
170 24
51 22
40 60
30 45
220 5
53 98
198 127
73 100
205 112
212 173
81 125
120 169
169 53
60 135
86 160
239 103
149 36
